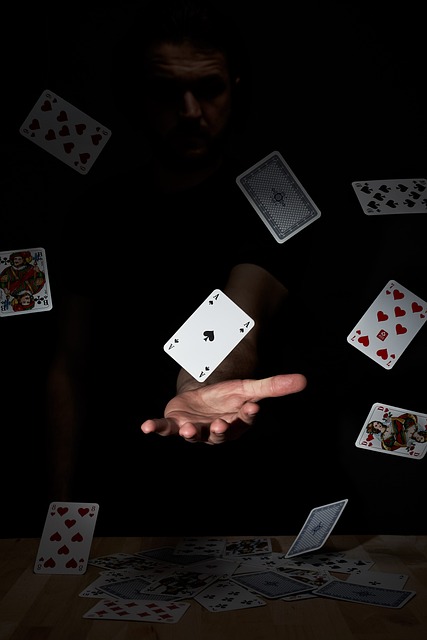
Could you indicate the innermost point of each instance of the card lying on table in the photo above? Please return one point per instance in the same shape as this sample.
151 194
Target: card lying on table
395 431
65 132
67 538
379 197
278 197
389 325
209 335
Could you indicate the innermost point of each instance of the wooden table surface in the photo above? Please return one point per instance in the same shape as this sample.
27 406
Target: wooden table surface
48 607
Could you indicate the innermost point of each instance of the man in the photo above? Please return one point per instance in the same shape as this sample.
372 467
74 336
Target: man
177 229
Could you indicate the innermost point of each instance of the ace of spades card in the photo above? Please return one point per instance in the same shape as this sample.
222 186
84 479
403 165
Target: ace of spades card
209 335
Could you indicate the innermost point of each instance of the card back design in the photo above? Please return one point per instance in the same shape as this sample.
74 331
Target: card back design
278 197
395 431
317 528
24 282
344 590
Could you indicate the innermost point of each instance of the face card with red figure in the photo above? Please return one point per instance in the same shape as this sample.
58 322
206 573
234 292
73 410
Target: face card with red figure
66 132
66 538
395 431
24 282
389 325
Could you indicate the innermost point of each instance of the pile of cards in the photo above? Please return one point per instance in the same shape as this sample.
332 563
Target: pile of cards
158 585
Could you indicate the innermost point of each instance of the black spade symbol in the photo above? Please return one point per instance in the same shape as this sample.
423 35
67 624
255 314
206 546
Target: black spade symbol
208 335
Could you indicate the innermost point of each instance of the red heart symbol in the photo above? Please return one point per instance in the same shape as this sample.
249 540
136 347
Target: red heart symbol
50 563
382 317
50 135
71 564
68 147
398 312
364 340
83 511
96 138
46 106
70 523
400 329
77 538
62 510
62 116
415 306
370 437
63 551
84 157
383 353
64 131
34 125
398 295
80 128
56 537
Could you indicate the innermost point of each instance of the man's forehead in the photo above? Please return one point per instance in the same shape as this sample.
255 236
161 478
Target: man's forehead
185 60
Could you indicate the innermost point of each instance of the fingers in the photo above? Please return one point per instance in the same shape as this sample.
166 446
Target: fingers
162 426
274 386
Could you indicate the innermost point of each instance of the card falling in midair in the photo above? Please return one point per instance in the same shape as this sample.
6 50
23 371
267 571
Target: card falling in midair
209 335
278 197
64 131
389 325
382 197
317 528
394 431
24 282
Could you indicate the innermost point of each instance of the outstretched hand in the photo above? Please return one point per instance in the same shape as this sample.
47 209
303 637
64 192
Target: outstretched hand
222 411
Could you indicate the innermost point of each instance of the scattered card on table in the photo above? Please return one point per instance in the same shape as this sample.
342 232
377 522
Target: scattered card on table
138 610
389 325
317 528
24 282
379 197
209 335
278 197
270 584
380 596
226 595
395 431
66 538
247 547
64 131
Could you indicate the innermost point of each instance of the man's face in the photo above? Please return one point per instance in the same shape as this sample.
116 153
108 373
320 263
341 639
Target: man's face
188 100
18 261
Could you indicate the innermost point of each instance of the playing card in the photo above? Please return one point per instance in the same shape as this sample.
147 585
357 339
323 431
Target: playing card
395 431
278 197
333 561
380 596
270 584
379 197
380 579
209 335
226 595
66 538
64 131
198 546
317 528
24 282
247 547
389 324
140 610
180 584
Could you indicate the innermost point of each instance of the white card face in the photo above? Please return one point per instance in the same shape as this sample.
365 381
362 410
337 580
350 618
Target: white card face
389 325
317 528
226 595
380 579
209 335
396 431
139 610
64 131
278 197
384 197
66 538
24 282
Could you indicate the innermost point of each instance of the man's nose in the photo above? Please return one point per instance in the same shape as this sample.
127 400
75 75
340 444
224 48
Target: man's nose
190 107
